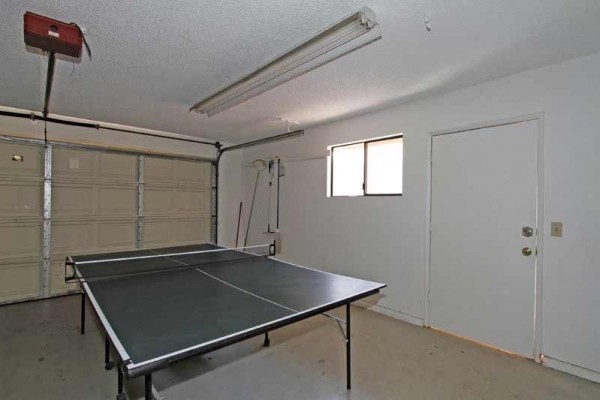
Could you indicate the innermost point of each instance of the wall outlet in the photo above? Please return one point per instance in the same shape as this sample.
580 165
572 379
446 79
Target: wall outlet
556 229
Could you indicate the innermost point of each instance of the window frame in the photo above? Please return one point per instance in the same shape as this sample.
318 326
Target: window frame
365 166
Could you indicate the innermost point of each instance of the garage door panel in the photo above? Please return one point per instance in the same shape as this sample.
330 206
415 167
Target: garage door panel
21 225
192 201
80 237
94 206
158 169
21 240
73 237
73 163
191 230
78 199
20 281
113 236
117 200
73 200
192 172
19 199
158 201
57 278
164 232
158 233
119 167
32 164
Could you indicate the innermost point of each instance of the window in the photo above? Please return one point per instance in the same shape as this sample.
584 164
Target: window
369 168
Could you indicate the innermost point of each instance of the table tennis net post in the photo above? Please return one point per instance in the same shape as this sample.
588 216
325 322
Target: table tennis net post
158 260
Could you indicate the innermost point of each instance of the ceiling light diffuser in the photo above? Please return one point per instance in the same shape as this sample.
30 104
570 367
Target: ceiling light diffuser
347 35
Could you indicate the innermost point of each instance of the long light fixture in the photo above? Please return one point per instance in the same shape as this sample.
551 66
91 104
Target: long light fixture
347 35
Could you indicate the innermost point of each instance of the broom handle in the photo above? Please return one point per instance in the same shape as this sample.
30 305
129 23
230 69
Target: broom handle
237 232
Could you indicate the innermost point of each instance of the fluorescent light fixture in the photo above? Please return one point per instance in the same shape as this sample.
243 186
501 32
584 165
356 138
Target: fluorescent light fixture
347 35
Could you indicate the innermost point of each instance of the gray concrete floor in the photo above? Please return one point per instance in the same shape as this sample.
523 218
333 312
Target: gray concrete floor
44 357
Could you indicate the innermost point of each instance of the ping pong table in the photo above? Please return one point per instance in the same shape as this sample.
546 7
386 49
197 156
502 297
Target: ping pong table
161 306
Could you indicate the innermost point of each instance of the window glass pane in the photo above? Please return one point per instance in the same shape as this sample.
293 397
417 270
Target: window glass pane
348 170
384 167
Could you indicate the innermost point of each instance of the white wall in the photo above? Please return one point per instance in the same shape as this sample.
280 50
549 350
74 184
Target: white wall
229 196
383 238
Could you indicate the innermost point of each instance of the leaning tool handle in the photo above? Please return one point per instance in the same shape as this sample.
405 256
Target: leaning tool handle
237 232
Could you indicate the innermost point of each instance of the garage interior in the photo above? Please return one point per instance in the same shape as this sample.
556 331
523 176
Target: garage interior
428 168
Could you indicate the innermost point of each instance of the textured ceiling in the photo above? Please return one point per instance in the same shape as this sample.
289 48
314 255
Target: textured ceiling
152 60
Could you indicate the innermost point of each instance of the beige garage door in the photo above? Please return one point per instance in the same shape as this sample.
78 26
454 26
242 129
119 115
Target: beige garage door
177 201
21 221
94 206
68 200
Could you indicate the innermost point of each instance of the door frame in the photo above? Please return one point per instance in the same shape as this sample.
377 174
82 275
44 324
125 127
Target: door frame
538 275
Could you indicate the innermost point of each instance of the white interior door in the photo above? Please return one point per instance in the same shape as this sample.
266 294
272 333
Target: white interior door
484 191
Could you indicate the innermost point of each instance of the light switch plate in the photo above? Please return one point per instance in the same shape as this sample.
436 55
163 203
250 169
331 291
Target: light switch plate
556 229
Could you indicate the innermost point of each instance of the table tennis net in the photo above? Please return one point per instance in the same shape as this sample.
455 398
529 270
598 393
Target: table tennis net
115 265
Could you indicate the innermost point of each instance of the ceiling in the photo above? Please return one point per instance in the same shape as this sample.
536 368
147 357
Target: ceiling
153 60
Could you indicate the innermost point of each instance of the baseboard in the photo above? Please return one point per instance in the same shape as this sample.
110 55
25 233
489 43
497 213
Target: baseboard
40 297
572 369
23 300
390 313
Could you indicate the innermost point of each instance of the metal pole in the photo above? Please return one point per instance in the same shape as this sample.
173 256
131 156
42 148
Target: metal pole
251 208
47 224
148 387
216 205
82 326
269 139
214 198
140 204
278 181
120 394
237 232
108 365
348 359
49 79
57 120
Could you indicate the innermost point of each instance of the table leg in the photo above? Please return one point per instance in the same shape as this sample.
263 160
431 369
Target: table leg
148 387
108 365
120 394
82 326
348 359
267 342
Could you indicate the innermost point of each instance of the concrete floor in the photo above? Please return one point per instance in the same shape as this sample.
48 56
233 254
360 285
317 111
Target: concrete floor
44 357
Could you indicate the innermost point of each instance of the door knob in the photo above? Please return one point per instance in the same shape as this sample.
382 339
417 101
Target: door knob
526 251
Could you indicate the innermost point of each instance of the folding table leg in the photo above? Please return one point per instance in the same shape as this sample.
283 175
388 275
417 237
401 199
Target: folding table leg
348 360
120 394
82 326
108 365
148 387
267 342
